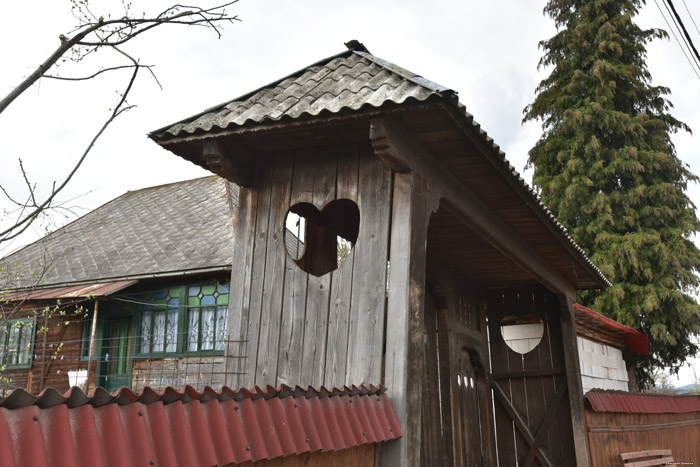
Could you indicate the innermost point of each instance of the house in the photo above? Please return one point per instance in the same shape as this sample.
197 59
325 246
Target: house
446 244
153 265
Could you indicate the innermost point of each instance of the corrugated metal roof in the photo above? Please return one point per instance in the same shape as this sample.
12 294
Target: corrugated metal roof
188 428
352 80
74 291
633 339
185 226
624 402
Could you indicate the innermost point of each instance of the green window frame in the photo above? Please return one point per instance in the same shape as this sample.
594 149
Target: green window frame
183 320
17 343
207 314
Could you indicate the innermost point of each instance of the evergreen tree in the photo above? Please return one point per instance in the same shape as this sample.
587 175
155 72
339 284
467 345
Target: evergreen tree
607 168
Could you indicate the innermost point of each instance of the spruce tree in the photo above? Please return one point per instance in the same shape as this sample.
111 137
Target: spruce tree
607 168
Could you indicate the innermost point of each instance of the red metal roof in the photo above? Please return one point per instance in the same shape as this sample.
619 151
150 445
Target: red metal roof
71 291
188 428
626 402
633 339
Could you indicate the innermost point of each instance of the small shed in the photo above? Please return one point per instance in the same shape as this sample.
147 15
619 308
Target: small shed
420 241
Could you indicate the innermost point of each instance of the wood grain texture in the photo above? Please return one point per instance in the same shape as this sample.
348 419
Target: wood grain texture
342 279
273 284
239 302
318 288
405 326
366 333
294 302
257 280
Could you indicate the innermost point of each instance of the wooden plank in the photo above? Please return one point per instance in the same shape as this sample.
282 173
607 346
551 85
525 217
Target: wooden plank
239 302
573 376
368 301
543 428
519 423
275 262
404 334
518 396
499 364
294 302
258 270
392 143
341 282
319 288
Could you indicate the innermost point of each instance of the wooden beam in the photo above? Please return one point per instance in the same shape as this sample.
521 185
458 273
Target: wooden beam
402 152
543 429
473 135
234 166
573 377
404 330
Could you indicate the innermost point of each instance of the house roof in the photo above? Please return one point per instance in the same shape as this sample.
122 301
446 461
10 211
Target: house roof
356 84
187 427
592 324
184 227
625 402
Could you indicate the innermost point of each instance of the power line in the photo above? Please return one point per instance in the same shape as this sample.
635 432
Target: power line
691 17
685 31
676 37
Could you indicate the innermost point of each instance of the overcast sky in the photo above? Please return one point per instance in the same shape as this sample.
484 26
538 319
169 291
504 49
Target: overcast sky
486 50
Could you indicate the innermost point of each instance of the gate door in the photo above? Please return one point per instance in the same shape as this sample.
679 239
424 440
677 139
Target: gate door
528 379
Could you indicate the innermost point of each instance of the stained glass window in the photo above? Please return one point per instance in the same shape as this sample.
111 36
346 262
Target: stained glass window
207 316
169 327
159 321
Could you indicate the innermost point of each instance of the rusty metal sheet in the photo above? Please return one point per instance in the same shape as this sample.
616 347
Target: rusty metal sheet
635 340
624 402
74 291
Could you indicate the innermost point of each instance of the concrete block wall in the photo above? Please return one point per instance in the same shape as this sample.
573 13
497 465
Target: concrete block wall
522 338
602 366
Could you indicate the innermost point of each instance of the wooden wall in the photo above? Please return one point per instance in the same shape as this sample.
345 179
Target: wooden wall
293 327
66 328
610 434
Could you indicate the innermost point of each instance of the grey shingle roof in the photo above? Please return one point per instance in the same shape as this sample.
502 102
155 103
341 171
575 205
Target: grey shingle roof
185 226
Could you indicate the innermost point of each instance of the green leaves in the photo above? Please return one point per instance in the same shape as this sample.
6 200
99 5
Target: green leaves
607 168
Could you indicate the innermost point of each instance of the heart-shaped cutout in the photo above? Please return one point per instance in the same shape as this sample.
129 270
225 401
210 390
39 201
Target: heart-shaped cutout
319 241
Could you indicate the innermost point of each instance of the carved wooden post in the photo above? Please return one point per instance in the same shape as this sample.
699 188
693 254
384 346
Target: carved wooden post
404 339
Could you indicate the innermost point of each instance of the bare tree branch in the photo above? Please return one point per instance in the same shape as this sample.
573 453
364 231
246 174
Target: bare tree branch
92 34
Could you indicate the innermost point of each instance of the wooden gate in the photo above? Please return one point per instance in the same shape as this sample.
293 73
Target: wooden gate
531 407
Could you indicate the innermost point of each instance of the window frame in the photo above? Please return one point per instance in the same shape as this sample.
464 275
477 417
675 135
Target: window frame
182 330
4 343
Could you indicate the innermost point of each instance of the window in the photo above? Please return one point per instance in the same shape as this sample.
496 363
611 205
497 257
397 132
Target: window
207 315
17 343
184 320
159 321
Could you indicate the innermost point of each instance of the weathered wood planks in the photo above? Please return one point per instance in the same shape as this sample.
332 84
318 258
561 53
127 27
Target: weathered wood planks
295 327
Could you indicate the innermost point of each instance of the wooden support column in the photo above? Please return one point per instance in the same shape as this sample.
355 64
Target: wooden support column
573 376
91 352
404 328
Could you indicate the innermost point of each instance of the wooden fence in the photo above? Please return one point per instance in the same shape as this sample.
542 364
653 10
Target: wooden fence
611 433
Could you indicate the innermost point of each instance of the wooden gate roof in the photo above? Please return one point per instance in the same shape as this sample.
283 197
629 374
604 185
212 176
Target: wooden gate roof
333 100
